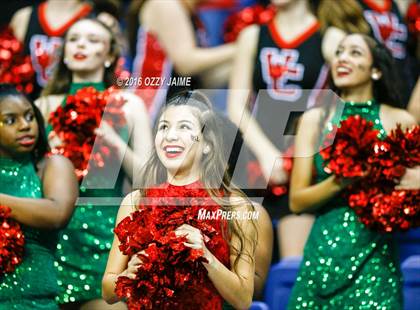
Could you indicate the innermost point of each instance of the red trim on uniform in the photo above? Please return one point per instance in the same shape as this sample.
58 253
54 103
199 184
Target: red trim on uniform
218 4
296 41
386 7
84 10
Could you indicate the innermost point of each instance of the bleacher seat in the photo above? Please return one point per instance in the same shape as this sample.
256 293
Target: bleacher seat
259 305
409 243
411 273
280 281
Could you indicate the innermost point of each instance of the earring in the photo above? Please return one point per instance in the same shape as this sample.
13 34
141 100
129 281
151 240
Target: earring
65 61
107 64
375 76
206 150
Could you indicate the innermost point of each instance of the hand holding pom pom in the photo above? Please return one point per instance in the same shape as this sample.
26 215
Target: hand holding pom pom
391 199
79 121
410 180
133 265
172 244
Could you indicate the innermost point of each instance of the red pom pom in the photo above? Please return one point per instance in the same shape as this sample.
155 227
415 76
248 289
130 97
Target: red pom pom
413 19
357 150
393 210
353 140
11 242
76 122
15 68
390 157
171 275
256 14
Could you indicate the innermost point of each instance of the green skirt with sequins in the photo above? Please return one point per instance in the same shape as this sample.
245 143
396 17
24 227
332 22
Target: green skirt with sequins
33 285
82 252
347 266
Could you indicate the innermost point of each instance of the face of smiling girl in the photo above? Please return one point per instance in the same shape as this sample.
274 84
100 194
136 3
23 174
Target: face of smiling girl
18 127
179 141
352 64
87 47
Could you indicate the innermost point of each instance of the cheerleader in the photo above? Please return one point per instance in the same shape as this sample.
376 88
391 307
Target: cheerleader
89 59
41 193
280 62
42 26
345 264
186 156
380 19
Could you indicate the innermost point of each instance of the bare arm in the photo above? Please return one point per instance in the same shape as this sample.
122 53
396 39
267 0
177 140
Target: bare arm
403 6
20 21
263 251
48 104
391 116
175 33
332 38
117 262
240 86
236 286
141 139
305 197
217 77
60 194
135 156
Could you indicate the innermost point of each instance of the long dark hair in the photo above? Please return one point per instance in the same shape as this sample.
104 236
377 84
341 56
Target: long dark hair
61 79
41 147
213 172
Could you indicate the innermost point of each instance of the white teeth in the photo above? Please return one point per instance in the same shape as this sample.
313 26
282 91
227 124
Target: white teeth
343 70
170 149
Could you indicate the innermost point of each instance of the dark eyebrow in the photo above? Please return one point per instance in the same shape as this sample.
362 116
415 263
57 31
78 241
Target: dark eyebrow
13 114
181 121
8 114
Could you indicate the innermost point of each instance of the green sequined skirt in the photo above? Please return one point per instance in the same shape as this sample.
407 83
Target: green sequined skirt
347 266
82 252
33 285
